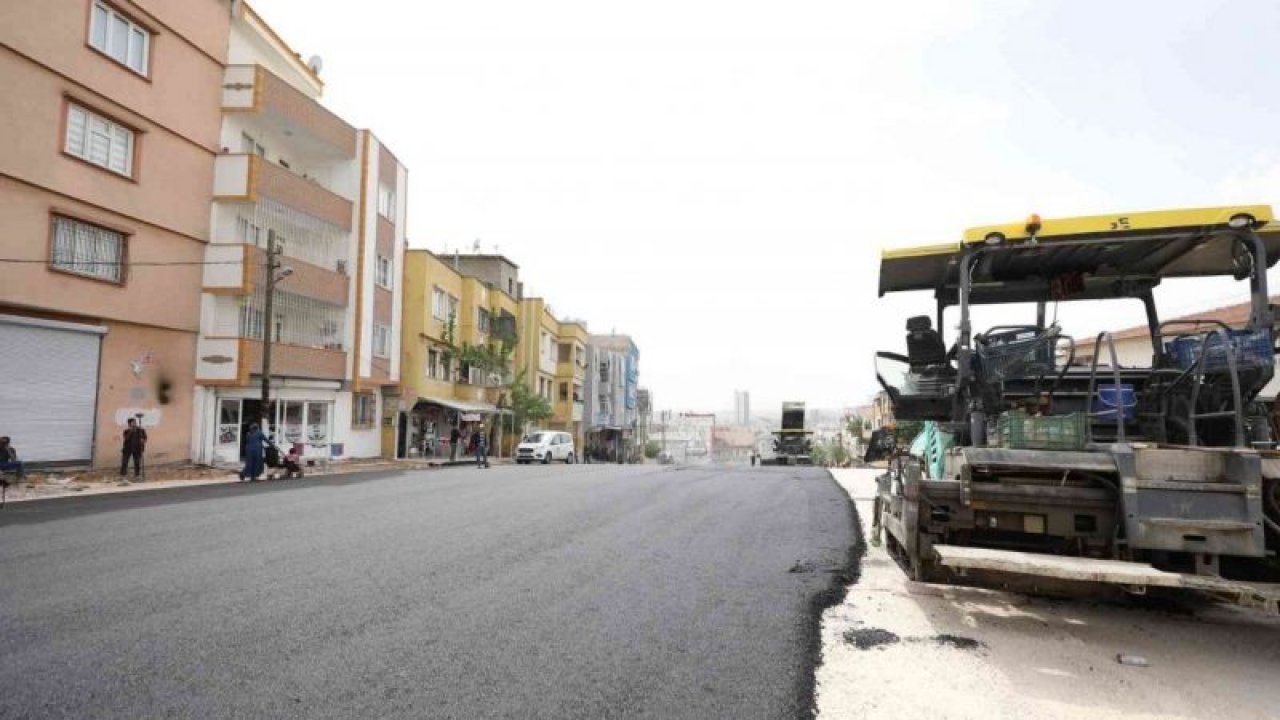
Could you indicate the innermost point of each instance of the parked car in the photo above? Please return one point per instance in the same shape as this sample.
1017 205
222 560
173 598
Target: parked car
545 446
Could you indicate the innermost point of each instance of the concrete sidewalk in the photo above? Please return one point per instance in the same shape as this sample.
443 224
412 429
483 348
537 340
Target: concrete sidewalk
46 485
898 649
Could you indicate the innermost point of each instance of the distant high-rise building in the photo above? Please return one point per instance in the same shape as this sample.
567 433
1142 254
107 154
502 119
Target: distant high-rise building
741 407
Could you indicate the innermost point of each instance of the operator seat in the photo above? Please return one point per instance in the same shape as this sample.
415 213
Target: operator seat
924 344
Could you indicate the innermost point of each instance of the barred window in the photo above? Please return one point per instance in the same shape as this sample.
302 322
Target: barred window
97 140
482 320
88 250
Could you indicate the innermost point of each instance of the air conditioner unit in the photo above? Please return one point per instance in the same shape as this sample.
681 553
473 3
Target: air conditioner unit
342 267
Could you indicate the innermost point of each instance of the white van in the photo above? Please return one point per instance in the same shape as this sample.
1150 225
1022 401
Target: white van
544 446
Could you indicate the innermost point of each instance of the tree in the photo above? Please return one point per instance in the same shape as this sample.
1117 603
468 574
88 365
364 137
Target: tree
907 430
527 407
856 426
839 455
652 448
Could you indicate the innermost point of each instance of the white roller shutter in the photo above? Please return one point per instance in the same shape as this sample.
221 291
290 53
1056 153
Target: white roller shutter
49 387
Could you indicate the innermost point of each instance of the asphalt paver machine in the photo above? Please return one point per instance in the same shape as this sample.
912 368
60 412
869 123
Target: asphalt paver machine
1046 459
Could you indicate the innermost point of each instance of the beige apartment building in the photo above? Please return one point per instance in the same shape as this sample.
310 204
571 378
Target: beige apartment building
109 134
291 173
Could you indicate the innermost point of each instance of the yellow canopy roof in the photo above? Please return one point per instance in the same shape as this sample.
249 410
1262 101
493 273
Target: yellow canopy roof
1143 246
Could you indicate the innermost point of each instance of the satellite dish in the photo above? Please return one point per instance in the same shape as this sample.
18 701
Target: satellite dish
316 63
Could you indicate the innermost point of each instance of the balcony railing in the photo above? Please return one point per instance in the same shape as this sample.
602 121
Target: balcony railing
253 88
250 178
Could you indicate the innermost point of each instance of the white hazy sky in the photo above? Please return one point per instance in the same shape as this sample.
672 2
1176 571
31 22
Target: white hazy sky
716 177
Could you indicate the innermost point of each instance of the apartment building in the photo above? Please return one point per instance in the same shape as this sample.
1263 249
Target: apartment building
612 387
109 134
537 351
291 175
459 322
569 404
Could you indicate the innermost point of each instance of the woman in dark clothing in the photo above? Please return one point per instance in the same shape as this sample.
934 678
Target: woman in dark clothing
254 443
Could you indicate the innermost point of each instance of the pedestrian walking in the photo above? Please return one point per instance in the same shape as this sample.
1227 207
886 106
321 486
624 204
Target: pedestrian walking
455 435
482 448
9 461
135 443
254 446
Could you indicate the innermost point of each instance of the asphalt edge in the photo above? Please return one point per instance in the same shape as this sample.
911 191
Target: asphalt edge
842 581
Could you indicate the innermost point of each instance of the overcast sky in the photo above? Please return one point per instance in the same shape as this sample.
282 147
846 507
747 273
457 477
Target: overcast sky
716 178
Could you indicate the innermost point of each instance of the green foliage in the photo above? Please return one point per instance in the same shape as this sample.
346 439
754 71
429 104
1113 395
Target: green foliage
527 407
856 426
839 455
652 448
820 453
907 430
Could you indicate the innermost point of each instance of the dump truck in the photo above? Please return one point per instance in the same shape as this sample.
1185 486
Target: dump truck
791 445
1037 467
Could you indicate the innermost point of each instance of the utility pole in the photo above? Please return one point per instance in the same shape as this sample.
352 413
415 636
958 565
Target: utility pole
268 319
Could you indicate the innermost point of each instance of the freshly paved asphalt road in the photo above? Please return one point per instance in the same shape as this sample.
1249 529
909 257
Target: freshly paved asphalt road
586 591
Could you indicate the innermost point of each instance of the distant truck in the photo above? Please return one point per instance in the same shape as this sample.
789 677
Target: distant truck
791 445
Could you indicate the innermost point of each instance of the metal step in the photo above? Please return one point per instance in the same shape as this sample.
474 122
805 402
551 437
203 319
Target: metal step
1135 576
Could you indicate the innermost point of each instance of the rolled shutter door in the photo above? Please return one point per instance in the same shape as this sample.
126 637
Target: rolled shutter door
49 388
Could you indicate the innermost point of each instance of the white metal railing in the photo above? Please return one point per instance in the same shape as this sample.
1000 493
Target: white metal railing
299 320
300 235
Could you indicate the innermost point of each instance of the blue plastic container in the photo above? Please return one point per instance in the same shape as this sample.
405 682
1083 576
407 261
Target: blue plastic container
1252 349
1106 404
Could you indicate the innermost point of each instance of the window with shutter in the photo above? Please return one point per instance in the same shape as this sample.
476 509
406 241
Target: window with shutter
98 140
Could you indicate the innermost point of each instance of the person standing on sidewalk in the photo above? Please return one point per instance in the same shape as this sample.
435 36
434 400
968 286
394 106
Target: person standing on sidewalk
482 448
9 461
254 445
135 443
454 436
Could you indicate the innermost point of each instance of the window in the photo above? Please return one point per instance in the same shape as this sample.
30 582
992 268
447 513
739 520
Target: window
119 38
439 304
566 352
482 320
382 274
564 392
364 410
382 341
248 231
95 139
437 368
88 250
386 202
251 146
453 307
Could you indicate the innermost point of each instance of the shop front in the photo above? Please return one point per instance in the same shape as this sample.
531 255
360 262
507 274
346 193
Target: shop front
296 416
433 420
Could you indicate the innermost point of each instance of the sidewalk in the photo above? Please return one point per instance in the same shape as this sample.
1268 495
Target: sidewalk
41 485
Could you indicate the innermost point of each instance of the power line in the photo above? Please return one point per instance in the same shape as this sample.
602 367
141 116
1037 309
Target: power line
129 263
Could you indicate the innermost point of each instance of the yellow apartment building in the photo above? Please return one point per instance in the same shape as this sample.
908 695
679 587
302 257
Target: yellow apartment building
571 375
452 308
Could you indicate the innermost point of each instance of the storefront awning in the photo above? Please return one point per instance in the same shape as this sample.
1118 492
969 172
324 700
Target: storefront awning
469 408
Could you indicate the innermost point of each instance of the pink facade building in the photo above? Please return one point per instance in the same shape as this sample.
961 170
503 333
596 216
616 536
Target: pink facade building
149 150
109 134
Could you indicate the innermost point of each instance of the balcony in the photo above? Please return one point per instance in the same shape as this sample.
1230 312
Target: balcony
250 178
284 110
296 361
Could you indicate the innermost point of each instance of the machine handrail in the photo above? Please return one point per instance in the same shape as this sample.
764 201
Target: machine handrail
1198 368
1093 381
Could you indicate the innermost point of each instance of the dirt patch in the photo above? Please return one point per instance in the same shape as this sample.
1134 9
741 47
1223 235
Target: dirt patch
867 638
958 642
